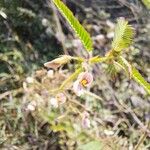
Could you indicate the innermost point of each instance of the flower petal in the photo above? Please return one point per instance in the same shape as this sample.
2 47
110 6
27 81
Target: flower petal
61 98
85 120
89 77
54 102
77 88
86 123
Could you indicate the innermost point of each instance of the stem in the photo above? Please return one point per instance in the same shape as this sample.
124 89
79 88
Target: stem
134 73
93 95
141 140
98 59
69 79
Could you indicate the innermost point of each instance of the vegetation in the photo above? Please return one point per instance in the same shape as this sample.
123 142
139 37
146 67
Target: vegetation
96 107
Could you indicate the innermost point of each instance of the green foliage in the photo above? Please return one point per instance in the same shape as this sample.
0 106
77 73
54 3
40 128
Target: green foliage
123 38
146 3
123 35
125 65
78 28
134 73
24 11
11 69
93 145
24 44
112 70
139 79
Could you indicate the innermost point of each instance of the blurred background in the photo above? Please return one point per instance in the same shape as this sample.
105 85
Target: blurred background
34 32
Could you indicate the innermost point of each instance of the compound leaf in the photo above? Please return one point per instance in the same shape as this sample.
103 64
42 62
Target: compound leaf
78 28
139 79
134 74
123 35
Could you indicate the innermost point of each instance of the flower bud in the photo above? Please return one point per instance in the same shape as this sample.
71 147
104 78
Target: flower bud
50 73
54 64
54 102
61 98
31 106
29 80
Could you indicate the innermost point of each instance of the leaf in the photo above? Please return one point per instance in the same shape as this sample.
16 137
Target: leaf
3 14
146 3
134 73
125 65
123 35
112 70
93 145
65 126
139 79
77 27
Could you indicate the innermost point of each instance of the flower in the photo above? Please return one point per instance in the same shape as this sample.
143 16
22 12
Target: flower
29 80
50 73
61 98
54 102
86 123
84 80
31 106
85 120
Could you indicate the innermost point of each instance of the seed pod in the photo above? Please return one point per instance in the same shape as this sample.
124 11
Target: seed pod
54 64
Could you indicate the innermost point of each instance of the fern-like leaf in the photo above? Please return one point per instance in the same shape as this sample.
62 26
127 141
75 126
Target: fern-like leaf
134 73
126 65
78 28
123 35
138 78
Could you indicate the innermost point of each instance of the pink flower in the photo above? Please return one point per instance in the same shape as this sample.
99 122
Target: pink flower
84 80
61 98
86 123
85 120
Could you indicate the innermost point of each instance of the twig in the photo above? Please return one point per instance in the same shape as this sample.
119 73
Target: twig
141 140
86 109
3 95
133 114
93 95
124 107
